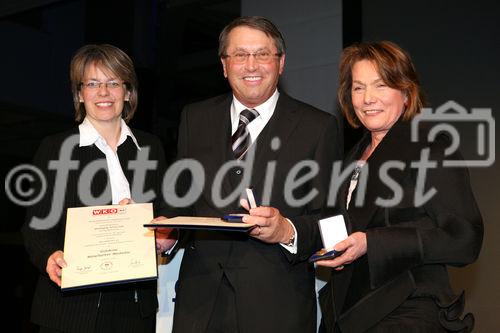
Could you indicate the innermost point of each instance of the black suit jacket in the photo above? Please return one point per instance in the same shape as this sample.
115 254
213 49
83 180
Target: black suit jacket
77 311
274 289
409 246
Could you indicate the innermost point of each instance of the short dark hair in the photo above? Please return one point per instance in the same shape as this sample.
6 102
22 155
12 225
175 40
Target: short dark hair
255 22
395 68
110 58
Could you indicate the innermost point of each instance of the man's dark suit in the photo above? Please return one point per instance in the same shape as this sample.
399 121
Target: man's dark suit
408 246
78 311
274 290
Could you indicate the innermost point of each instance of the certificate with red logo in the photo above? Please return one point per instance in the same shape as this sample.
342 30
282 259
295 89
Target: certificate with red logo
107 245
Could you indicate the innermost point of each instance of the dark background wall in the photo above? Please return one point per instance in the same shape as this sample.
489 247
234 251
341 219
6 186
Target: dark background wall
454 44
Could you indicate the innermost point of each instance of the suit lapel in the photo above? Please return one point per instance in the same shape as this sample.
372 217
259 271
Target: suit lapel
351 158
285 118
394 147
127 152
221 120
341 279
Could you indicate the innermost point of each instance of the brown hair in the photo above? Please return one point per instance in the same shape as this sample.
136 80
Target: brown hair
110 58
394 66
255 22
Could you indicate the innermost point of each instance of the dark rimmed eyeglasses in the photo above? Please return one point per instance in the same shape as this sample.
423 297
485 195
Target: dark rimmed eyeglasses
260 57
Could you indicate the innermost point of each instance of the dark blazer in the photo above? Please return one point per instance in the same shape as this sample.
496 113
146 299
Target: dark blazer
409 246
77 311
274 290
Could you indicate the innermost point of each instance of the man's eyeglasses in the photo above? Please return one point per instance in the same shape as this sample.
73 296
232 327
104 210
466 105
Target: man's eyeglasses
260 57
94 85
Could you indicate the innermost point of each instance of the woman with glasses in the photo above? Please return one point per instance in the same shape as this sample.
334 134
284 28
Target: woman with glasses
104 87
406 224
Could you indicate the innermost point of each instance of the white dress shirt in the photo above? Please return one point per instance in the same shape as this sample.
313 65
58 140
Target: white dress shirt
120 187
266 111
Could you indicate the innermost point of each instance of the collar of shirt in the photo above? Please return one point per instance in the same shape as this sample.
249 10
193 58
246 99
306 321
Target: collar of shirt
89 135
266 111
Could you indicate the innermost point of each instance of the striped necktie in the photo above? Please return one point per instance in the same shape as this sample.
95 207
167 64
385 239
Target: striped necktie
240 141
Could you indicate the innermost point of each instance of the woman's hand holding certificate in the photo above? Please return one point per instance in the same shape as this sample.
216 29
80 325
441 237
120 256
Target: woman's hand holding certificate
108 245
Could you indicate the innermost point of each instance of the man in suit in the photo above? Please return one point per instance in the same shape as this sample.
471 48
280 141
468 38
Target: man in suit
255 282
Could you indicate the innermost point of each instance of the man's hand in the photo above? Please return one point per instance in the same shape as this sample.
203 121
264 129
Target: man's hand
271 226
55 263
354 247
165 237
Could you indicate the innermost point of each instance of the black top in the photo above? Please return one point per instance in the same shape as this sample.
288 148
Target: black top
77 311
408 244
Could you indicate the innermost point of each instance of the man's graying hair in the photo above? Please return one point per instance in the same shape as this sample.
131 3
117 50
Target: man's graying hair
255 22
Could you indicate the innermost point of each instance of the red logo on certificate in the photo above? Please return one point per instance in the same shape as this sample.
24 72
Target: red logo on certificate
104 211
